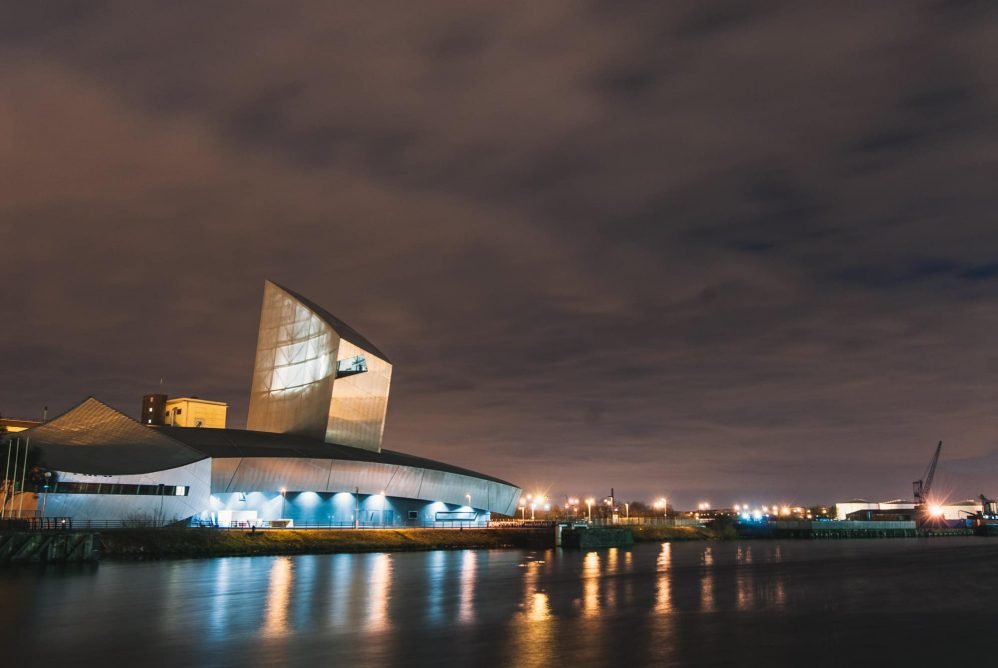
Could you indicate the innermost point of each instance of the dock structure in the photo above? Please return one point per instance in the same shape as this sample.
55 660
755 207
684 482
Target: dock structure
48 546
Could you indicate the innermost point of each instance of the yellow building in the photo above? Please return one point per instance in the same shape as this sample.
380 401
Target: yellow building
195 412
14 425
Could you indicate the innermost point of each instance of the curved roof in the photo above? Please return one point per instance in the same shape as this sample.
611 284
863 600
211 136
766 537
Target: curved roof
226 443
93 438
344 330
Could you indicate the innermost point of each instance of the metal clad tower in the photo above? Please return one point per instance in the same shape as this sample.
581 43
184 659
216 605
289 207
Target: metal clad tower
316 376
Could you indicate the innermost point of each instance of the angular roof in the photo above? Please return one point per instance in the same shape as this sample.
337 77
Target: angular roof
93 438
344 330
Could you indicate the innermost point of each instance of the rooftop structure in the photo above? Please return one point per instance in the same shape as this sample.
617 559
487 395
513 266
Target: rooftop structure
315 376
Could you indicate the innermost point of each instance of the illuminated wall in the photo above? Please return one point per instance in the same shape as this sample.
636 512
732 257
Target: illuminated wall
359 402
296 388
342 509
191 412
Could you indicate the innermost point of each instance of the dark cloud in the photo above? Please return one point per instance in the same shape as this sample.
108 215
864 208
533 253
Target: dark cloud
710 251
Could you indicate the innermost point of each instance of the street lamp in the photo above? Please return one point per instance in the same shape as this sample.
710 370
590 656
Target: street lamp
523 509
589 509
284 499
45 498
663 504
627 510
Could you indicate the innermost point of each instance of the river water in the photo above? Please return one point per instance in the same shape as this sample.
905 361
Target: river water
767 603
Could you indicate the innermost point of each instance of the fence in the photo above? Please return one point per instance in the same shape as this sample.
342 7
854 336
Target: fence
36 524
651 521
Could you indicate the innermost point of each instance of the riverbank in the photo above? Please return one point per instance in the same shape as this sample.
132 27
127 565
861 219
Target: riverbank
661 534
193 543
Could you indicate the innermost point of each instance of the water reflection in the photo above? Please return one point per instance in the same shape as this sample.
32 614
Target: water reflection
532 630
663 597
744 592
278 595
220 598
609 582
437 572
498 607
707 580
379 584
590 584
469 570
341 590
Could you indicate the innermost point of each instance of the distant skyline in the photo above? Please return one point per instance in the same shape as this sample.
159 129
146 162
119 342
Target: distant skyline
714 252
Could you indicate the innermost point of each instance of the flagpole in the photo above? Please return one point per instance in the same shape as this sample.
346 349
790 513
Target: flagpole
24 471
6 476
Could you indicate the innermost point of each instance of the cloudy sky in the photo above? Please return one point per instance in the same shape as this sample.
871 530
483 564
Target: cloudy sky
721 252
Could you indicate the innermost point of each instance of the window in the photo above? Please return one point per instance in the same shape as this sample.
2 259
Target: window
108 488
413 514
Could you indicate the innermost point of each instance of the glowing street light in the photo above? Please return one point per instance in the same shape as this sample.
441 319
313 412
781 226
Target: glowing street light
284 499
523 508
589 509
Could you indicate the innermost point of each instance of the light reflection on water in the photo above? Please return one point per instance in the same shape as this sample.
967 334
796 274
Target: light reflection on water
663 600
707 579
278 597
379 585
650 604
466 610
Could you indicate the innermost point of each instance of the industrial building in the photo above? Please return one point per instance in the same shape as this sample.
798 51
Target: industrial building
312 454
861 509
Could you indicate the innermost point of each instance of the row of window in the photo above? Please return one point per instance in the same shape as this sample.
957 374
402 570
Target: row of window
106 488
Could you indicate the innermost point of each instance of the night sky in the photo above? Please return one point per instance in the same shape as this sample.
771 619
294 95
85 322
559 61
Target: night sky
727 252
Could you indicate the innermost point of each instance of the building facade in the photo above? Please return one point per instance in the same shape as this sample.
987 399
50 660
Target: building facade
315 376
312 454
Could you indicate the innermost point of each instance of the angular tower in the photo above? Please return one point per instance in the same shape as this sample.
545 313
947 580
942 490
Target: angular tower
315 375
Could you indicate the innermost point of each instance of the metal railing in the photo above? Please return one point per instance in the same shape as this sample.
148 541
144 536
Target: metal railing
36 524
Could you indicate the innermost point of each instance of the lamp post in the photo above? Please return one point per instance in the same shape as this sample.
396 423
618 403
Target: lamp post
664 505
45 496
523 509
284 498
589 510
627 510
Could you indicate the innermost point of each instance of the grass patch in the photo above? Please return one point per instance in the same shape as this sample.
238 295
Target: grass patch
172 543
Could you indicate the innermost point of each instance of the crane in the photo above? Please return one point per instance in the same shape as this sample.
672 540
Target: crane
922 487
